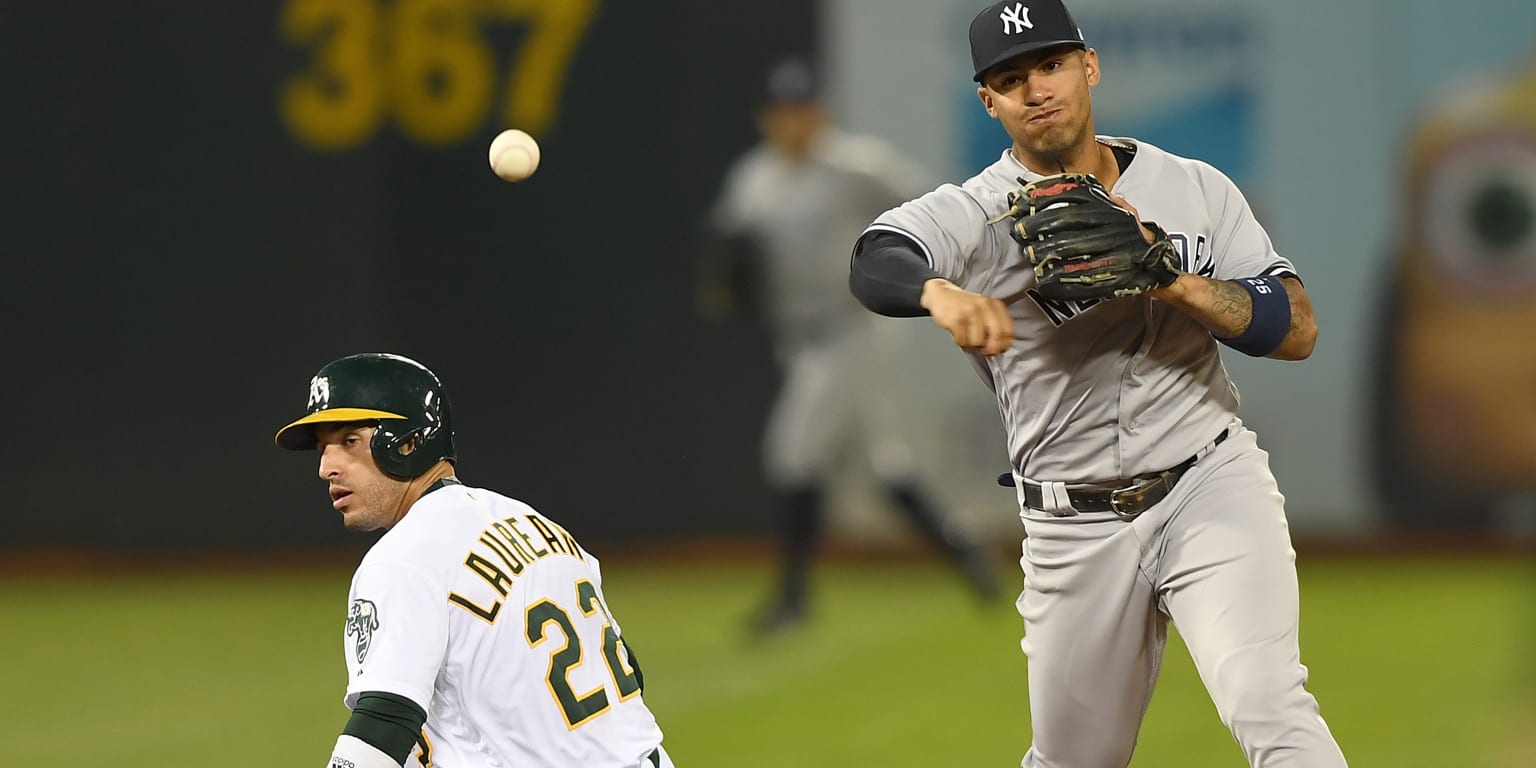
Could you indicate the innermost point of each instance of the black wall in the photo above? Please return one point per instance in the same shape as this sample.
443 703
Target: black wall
178 263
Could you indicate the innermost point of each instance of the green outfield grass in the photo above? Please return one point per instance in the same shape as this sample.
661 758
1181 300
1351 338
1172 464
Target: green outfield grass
1416 663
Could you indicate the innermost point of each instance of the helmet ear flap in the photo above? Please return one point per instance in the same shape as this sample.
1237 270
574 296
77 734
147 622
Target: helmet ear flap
396 453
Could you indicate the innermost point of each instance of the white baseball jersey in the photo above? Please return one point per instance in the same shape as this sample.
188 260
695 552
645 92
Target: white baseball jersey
1093 391
491 618
804 215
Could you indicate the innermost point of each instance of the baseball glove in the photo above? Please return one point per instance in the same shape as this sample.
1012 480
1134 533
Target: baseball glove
1084 246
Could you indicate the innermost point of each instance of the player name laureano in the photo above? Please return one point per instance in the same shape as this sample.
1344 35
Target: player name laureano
505 549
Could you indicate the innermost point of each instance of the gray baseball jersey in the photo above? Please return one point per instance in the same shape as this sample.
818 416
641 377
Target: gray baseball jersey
804 215
1100 391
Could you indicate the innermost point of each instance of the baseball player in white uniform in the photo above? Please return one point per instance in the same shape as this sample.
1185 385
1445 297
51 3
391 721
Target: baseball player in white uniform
789 206
477 634
1143 497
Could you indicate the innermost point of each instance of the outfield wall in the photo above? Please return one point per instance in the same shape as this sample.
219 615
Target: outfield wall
205 204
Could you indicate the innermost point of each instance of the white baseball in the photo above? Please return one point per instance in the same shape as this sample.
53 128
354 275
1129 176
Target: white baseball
514 155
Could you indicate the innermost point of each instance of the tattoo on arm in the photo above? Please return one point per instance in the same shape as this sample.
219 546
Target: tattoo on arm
1298 310
1232 308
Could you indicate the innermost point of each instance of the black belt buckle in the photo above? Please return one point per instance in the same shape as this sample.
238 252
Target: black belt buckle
1129 503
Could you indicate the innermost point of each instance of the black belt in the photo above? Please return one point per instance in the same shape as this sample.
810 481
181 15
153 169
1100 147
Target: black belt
1127 501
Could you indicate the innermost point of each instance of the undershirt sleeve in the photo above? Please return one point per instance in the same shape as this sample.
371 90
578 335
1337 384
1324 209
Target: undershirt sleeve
388 722
888 273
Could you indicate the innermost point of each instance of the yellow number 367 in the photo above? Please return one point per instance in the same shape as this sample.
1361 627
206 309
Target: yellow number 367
426 63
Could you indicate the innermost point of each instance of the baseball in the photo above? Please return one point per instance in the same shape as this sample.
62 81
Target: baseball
514 155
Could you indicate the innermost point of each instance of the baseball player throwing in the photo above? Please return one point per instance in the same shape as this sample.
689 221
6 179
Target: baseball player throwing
1143 496
477 633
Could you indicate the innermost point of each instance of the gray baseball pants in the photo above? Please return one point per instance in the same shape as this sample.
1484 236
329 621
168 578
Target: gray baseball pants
1215 557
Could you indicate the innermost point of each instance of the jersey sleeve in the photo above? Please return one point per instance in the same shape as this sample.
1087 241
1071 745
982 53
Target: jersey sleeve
1239 245
893 179
950 229
396 633
729 213
593 565
596 570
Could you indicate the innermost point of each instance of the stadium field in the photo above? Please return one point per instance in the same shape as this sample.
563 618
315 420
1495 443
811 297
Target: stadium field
1418 663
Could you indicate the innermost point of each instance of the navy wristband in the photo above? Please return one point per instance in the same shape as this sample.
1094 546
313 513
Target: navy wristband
1271 321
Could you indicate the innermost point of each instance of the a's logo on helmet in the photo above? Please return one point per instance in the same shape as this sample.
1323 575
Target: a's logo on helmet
362 621
319 392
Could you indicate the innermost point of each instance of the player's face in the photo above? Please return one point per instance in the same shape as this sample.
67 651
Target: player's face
367 498
792 128
1042 99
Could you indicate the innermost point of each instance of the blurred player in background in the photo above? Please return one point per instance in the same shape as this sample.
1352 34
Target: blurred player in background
779 232
477 631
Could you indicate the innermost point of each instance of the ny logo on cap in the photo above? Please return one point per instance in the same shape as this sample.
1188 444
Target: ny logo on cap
319 392
1016 19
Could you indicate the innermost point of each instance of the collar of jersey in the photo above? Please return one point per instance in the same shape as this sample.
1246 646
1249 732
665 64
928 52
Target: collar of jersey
443 483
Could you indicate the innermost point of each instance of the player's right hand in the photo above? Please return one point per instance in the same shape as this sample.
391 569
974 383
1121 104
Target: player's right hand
978 323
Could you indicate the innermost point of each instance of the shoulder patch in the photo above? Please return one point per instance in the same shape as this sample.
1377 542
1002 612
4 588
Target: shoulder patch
362 621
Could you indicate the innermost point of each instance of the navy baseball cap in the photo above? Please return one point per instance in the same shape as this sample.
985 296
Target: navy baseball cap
791 81
1013 28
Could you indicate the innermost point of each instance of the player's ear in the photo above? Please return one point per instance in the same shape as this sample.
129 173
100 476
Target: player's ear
1091 66
986 100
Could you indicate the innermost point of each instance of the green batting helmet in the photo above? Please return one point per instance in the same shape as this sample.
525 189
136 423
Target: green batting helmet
409 403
